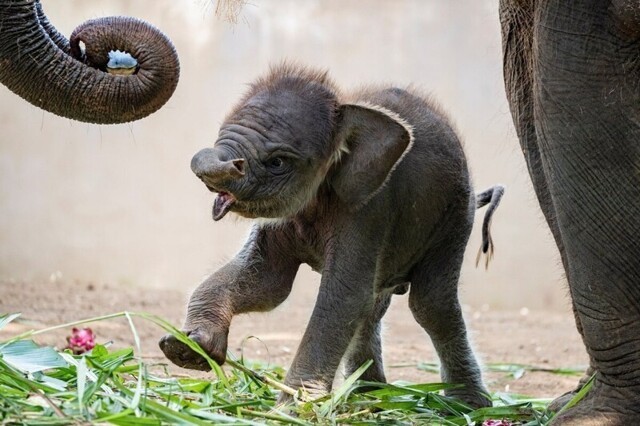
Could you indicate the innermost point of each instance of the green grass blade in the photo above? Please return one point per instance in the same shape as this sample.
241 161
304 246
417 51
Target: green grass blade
518 370
7 318
221 418
119 388
577 397
81 373
275 415
26 356
337 395
185 339
30 333
164 413
139 387
430 367
399 388
57 384
126 417
264 378
136 338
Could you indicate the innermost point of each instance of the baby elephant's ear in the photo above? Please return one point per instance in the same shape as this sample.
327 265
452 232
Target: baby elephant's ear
373 140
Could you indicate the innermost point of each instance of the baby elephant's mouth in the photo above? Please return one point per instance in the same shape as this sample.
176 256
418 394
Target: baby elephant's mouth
222 204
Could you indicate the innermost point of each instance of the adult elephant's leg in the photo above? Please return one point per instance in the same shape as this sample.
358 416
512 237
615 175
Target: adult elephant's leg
587 113
517 44
517 21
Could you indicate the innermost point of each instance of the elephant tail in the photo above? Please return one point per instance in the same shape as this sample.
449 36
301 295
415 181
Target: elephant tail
491 197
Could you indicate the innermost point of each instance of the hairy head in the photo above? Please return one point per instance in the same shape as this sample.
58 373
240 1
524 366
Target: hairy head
283 130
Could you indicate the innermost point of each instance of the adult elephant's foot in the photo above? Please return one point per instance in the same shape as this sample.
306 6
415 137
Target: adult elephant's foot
604 405
557 404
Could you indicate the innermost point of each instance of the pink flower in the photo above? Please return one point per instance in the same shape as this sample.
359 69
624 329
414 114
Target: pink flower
81 340
497 423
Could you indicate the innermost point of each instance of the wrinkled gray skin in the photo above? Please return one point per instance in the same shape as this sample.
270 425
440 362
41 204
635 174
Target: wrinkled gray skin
372 191
572 74
56 74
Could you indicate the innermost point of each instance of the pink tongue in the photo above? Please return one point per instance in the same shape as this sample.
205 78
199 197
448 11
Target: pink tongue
222 205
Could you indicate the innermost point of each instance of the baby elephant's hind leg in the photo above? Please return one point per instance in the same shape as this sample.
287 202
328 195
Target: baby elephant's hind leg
433 300
366 344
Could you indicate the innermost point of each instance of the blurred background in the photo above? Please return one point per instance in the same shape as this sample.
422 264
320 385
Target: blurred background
119 204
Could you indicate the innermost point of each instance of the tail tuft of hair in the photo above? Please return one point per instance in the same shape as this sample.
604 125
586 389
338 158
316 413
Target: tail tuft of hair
491 197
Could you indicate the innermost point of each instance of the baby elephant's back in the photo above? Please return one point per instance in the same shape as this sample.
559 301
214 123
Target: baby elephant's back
433 172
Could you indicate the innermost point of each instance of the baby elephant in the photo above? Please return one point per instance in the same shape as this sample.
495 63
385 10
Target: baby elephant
371 190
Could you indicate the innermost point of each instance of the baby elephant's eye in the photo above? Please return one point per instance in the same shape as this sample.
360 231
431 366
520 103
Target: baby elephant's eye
275 163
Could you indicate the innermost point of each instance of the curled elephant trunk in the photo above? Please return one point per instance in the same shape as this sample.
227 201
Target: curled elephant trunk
127 70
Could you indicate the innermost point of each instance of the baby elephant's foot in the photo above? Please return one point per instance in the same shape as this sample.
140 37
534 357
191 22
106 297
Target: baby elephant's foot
214 343
374 374
308 390
473 397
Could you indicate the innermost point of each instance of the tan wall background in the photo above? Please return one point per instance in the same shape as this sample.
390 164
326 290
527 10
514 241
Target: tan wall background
119 203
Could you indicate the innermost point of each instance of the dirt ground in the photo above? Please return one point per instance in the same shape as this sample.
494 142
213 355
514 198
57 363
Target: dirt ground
538 338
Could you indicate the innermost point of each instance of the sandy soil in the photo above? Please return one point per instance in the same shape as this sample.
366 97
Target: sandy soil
538 338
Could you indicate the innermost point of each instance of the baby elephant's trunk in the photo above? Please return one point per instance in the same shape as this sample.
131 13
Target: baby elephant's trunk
491 196
210 166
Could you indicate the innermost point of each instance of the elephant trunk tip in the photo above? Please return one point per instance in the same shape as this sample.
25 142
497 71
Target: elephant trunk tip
208 166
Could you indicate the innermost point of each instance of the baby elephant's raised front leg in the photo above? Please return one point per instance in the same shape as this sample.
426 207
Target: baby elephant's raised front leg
259 278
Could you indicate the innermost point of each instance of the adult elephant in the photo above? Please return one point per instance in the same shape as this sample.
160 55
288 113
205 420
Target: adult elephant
572 74
83 82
